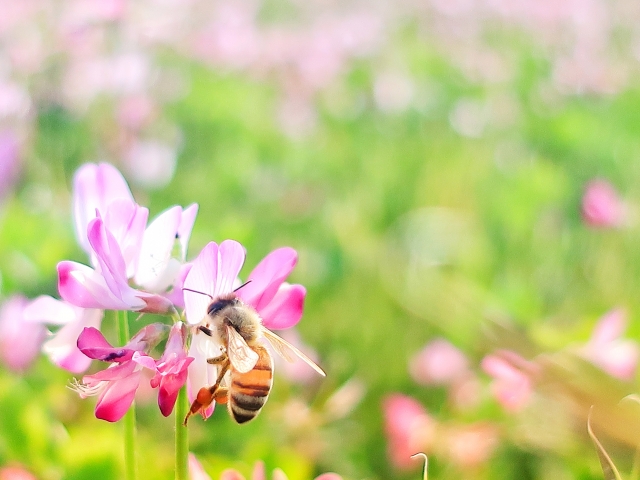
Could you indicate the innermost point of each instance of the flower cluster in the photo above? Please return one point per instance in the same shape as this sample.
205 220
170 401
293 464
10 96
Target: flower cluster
140 266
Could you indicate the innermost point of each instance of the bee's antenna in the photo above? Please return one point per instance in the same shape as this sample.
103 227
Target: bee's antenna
205 330
243 285
196 291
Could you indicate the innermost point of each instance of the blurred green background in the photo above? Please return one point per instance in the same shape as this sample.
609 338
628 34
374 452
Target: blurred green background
432 186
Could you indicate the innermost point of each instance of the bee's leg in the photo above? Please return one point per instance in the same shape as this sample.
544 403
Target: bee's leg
218 360
207 395
221 395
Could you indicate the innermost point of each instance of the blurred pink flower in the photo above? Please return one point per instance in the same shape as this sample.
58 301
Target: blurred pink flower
606 349
215 273
116 385
9 161
512 383
601 205
408 427
62 347
20 341
259 473
438 363
16 472
470 446
196 472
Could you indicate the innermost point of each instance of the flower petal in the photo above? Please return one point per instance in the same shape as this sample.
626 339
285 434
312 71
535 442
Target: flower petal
155 253
46 309
62 348
118 397
231 255
92 343
285 308
94 188
267 277
186 225
82 286
199 284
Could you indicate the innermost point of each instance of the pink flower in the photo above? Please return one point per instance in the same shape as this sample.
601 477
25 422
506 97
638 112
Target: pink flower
116 385
259 473
105 287
215 273
606 349
16 472
9 161
470 446
601 205
409 429
512 383
100 191
438 363
20 341
62 347
171 369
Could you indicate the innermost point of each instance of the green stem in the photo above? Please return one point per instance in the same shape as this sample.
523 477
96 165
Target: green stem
182 436
129 419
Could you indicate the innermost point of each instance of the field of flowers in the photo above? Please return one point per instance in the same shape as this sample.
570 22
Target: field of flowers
438 202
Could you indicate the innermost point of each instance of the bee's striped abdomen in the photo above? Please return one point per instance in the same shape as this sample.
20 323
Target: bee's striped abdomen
249 391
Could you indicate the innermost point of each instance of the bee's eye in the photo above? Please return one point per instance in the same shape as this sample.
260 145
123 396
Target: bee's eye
218 305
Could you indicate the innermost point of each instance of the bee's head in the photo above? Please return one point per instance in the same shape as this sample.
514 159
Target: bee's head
221 303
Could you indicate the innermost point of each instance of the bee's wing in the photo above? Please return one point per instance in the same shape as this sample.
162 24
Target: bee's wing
285 349
242 358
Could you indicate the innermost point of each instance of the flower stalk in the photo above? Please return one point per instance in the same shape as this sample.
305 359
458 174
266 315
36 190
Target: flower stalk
182 436
129 419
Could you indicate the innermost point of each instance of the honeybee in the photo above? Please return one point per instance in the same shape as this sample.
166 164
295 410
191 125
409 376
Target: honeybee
248 362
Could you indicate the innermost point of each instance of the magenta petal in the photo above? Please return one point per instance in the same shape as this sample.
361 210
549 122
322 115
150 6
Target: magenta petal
170 385
93 344
267 277
118 397
144 360
285 309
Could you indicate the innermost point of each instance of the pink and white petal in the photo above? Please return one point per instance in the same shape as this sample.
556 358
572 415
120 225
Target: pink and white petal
329 476
267 277
62 348
199 284
155 254
144 361
83 287
231 255
176 294
200 373
118 397
285 308
46 309
94 188
148 337
111 263
186 225
231 474
112 267
126 221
